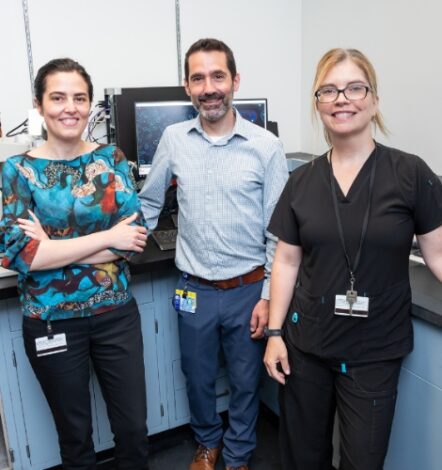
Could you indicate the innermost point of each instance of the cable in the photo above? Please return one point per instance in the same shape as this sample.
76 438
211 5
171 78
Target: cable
12 132
97 116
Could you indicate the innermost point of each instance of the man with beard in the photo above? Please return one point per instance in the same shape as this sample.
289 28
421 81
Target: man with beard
230 174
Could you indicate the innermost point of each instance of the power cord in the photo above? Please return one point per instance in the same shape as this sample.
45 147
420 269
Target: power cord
20 129
98 116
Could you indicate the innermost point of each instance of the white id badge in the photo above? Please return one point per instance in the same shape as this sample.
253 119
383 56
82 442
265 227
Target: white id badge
185 301
358 309
56 344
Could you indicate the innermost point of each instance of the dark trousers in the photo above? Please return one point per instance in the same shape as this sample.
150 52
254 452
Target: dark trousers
113 342
364 397
222 321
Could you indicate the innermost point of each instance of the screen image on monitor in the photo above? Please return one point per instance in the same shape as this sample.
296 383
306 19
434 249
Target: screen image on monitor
253 110
151 118
150 121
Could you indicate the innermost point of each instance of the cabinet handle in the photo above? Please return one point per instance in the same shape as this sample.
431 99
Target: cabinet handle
223 394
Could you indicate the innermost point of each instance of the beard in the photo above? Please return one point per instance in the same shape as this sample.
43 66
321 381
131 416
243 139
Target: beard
213 113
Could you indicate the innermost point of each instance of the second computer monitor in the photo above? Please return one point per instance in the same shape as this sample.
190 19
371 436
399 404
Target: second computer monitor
253 110
151 118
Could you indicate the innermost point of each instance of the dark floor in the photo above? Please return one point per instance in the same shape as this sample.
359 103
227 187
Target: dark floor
173 450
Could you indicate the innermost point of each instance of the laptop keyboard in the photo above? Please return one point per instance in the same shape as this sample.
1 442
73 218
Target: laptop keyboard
166 239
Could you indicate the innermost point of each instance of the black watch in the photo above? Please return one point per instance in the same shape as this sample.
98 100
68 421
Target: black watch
272 332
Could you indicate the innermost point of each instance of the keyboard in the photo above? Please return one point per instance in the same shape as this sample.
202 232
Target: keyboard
166 239
6 272
416 256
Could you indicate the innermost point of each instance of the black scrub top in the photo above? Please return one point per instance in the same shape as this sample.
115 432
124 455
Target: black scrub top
406 199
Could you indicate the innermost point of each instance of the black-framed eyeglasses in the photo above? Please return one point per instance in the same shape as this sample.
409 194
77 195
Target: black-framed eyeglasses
352 92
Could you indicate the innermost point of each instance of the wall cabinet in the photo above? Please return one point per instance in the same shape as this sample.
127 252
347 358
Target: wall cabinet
28 433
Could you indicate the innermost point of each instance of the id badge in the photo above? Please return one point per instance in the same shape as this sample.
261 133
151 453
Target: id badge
46 346
358 309
185 301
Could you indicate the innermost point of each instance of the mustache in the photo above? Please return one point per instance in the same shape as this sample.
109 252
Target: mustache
211 96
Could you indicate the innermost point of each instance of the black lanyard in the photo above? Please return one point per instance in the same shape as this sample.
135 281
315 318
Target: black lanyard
352 269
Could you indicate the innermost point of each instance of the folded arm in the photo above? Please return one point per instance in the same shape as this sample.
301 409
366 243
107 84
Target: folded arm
92 248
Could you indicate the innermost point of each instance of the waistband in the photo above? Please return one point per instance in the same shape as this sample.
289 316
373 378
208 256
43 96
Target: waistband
249 278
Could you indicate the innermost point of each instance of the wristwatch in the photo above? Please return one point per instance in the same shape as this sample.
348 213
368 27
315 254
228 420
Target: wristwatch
272 332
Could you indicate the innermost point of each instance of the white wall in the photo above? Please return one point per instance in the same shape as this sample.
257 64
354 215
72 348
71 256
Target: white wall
121 44
277 45
15 92
403 39
133 43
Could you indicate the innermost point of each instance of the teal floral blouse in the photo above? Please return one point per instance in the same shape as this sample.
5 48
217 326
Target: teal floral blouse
71 198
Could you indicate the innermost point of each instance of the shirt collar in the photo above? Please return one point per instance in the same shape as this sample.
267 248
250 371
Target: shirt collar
240 128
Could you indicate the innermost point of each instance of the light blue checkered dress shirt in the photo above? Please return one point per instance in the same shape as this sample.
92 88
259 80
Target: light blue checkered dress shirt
227 191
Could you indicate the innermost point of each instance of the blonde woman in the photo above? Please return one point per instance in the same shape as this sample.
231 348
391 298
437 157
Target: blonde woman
340 290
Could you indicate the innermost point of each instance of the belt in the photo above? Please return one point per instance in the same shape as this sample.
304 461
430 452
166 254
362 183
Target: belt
249 278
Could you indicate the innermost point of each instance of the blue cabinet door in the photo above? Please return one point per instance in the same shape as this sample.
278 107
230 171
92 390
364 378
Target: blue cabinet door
39 445
416 436
148 292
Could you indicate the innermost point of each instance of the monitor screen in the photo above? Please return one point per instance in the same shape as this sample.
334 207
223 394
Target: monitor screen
150 121
151 118
253 110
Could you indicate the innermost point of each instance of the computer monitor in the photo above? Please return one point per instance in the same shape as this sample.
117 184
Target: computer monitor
151 118
119 102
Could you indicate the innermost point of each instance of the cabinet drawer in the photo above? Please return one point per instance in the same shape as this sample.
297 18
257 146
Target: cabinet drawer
222 387
182 404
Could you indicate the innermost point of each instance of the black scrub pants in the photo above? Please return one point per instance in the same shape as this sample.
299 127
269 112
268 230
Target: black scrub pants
113 342
364 396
